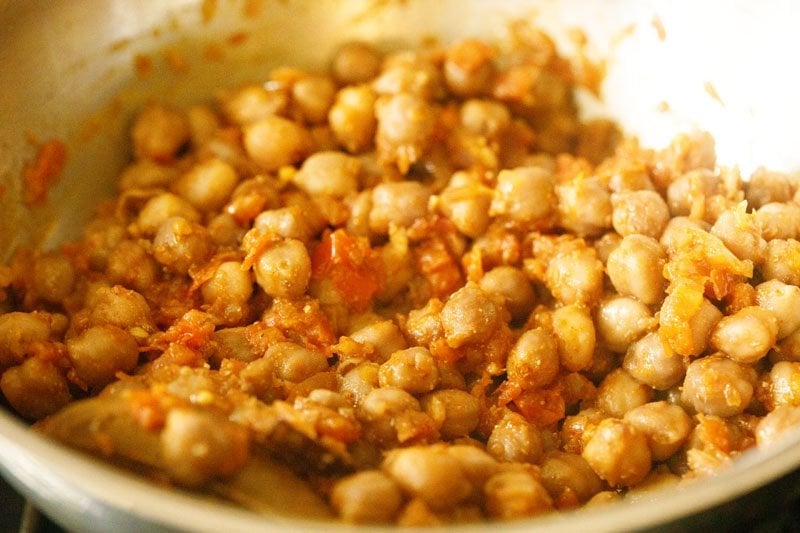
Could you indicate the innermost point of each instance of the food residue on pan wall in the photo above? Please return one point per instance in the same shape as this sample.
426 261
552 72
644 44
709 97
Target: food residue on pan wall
43 171
713 93
658 24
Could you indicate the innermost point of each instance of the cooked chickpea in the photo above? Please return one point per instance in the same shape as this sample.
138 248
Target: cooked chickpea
313 97
639 213
283 270
273 142
355 62
180 245
784 384
35 388
250 103
405 126
784 302
747 335
698 325
515 440
360 381
689 188
369 496
411 73
620 392
397 203
533 362
486 118
741 234
456 411
516 494
778 220
621 321
468 316
783 421
575 335
352 118
230 284
513 287
666 427
467 206
158 133
331 173
100 352
765 186
782 261
468 67
635 268
575 276
384 337
131 265
651 361
584 206
524 195
19 332
718 386
121 307
618 452
208 185
562 472
161 207
54 277
144 174
294 363
412 369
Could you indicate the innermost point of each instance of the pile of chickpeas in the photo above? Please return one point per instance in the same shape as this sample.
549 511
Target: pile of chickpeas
422 283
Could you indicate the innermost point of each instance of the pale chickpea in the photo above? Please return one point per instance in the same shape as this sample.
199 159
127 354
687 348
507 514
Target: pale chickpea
35 388
765 186
144 173
312 97
718 386
639 213
352 118
533 361
428 473
273 142
468 316
208 185
468 67
676 229
524 196
251 103
621 320
620 392
693 186
120 307
288 222
515 494
230 284
355 62
384 337
467 206
784 384
666 427
294 363
409 72
619 453
398 204
584 206
513 286
741 234
161 207
359 381
412 369
562 472
784 302
203 124
651 361
283 270
19 332
100 352
782 261
487 118
330 173
405 125
747 335
456 412
368 496
635 268
778 220
605 244
515 440
576 336
783 421
698 325
180 245
158 133
131 265
54 277
575 276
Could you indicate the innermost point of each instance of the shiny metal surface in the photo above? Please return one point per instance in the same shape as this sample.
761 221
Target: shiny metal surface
68 71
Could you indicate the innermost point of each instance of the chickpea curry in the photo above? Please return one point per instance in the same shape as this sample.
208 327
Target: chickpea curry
414 289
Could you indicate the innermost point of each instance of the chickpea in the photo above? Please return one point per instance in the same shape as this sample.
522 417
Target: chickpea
54 277
514 440
295 363
676 228
352 118
208 185
575 276
584 206
203 124
639 212
782 261
35 388
513 287
313 97
689 188
621 321
562 472
229 287
158 133
180 245
533 362
144 173
428 473
199 446
118 306
284 269
273 142
251 103
524 195
384 337
131 265
778 220
355 62
405 125
100 238
651 361
635 268
486 118
784 384
19 332
330 173
718 386
515 494
161 207
100 352
468 67
575 335
409 73
666 427
741 234
358 382
412 369
456 412
698 325
369 496
777 424
468 316
619 453
765 187
467 206
398 204
784 301
620 392
746 336
606 244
